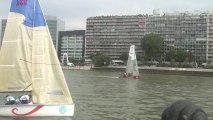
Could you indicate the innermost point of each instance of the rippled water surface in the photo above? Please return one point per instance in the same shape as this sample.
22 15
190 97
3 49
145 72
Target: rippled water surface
101 95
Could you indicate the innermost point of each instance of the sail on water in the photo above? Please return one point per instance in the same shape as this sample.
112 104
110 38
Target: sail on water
132 66
32 64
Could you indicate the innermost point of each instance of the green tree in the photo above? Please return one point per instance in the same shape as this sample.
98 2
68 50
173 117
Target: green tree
200 61
181 56
82 60
171 55
141 57
190 56
152 44
172 62
101 60
92 57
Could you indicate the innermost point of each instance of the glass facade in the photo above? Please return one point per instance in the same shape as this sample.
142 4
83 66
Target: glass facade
55 25
72 43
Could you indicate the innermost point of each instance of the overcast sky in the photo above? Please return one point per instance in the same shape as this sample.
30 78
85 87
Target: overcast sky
75 12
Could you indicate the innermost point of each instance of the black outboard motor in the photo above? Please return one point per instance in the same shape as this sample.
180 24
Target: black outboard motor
183 110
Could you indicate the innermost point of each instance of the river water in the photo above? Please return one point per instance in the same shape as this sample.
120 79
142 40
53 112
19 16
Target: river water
101 95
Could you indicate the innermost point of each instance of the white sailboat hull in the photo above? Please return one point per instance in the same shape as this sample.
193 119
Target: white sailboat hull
36 110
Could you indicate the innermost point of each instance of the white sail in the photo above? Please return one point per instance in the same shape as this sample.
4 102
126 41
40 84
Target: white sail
15 71
132 66
131 58
135 71
28 60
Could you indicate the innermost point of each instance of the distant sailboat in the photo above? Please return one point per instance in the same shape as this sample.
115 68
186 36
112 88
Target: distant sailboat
132 66
32 64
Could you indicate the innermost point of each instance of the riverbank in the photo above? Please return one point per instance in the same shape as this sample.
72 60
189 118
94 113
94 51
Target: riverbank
149 70
76 67
163 70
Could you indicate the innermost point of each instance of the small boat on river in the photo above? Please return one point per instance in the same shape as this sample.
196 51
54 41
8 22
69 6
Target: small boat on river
132 65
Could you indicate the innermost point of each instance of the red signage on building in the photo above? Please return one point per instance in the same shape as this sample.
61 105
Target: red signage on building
21 2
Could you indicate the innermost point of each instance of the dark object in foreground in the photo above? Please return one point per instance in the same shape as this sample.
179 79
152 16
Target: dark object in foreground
183 110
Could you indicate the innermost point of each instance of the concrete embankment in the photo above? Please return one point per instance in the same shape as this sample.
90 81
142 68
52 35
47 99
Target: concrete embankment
163 70
76 67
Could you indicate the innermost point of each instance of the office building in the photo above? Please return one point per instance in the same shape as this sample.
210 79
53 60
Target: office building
191 32
113 35
183 31
55 25
71 43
